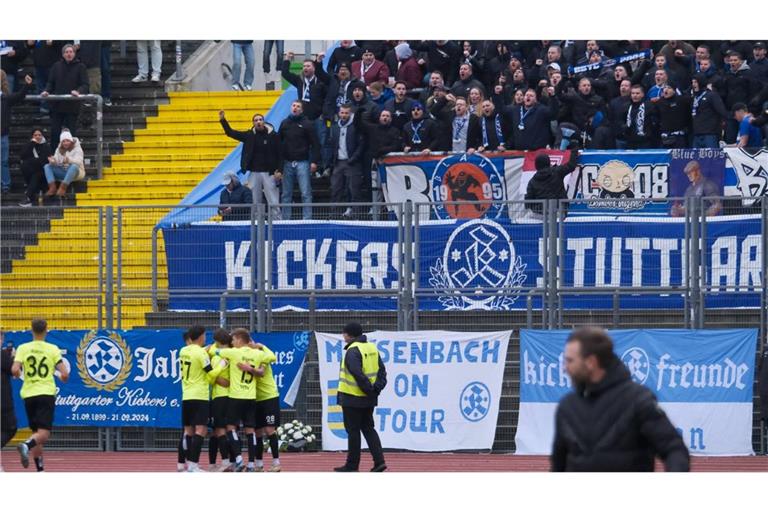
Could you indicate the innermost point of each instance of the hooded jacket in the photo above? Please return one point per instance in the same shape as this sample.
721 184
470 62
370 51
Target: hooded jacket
547 183
739 86
707 109
73 156
353 362
614 425
261 149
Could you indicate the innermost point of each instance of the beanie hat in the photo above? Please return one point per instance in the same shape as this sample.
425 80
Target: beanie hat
354 329
403 51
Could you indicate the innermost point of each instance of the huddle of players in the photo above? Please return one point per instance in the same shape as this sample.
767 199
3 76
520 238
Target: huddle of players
227 384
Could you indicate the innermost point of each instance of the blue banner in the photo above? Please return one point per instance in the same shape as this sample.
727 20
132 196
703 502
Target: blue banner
703 380
456 257
678 365
131 378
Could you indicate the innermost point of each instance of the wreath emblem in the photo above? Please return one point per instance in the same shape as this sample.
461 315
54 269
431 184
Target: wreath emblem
104 361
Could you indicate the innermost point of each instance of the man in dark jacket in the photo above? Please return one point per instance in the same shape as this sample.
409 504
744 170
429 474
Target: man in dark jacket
583 103
739 86
466 82
12 54
491 133
638 129
358 394
420 133
547 183
300 153
234 193
707 113
348 147
400 106
261 156
674 113
609 422
383 137
312 89
8 414
531 120
68 76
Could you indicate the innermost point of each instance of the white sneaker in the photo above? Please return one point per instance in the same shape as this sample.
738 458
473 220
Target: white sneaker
248 88
194 469
139 78
276 468
155 77
225 467
180 468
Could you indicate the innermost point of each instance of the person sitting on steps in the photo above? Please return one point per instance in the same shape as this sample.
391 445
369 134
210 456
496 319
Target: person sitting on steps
65 165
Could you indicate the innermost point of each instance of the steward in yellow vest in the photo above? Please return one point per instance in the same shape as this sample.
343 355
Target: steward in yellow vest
361 378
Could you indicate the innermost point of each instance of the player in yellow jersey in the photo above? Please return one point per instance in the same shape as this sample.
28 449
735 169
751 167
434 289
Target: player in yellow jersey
242 394
39 361
219 400
267 411
196 372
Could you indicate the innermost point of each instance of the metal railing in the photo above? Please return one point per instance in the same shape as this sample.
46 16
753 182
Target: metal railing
99 120
541 304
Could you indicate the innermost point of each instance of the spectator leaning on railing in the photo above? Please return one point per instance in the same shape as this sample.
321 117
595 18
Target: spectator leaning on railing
65 165
234 193
67 76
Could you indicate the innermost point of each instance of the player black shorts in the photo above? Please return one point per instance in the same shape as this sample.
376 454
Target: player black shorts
241 411
194 413
40 411
219 408
268 413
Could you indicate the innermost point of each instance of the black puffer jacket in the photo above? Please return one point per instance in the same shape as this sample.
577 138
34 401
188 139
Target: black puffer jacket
64 78
261 149
583 106
615 425
353 361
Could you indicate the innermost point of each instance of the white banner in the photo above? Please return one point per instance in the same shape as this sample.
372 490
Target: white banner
443 389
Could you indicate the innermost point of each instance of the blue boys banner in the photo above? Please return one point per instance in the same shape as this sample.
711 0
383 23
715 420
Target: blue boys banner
703 380
131 378
608 182
455 257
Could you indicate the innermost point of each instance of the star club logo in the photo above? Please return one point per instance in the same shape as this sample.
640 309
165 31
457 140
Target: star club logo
479 255
475 401
469 184
104 361
638 364
301 341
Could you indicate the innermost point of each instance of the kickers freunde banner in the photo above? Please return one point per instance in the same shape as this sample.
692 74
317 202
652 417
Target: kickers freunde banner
131 378
443 389
702 379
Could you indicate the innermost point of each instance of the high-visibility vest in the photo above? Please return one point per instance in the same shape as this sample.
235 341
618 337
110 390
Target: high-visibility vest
347 383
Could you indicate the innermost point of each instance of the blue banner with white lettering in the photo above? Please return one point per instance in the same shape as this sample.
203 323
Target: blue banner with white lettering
703 379
462 263
131 378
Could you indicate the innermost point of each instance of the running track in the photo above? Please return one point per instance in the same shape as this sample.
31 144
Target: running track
325 461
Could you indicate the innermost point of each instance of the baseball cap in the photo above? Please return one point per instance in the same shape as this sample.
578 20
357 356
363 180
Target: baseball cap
228 177
555 66
760 44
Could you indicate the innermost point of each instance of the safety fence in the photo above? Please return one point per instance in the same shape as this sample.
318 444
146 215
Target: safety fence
530 266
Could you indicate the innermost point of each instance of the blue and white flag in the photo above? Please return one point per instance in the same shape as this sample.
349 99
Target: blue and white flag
703 380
